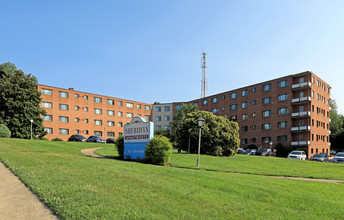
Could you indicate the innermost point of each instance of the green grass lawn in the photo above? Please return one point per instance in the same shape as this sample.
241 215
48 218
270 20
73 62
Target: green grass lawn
79 187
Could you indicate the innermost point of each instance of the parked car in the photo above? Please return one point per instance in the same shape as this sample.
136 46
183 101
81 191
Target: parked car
95 139
247 152
339 158
110 140
319 157
253 152
332 153
240 151
296 154
265 152
77 137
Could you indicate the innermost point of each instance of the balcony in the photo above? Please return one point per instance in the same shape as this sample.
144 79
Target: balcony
300 143
303 85
301 114
300 128
301 100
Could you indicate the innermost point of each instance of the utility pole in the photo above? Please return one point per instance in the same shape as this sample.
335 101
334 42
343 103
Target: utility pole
204 86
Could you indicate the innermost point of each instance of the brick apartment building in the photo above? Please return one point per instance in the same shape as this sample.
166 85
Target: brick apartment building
73 112
293 110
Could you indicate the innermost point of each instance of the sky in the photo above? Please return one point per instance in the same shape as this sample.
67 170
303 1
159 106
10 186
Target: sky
150 50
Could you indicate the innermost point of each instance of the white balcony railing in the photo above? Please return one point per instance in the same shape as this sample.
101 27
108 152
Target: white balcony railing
301 114
301 128
302 99
301 85
300 143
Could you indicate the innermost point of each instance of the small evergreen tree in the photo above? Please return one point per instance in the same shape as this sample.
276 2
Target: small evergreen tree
119 143
4 131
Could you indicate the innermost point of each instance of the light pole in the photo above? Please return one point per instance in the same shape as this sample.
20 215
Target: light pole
189 141
200 125
270 148
31 120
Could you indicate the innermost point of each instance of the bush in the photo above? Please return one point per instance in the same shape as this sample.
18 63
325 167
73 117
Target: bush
56 139
251 146
158 151
44 139
4 131
282 151
119 143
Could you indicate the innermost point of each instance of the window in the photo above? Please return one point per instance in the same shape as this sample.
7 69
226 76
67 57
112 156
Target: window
86 97
312 94
254 90
266 100
244 128
253 115
178 107
98 133
282 98
244 117
120 103
266 126
47 92
244 105
76 96
98 111
282 111
110 102
196 103
63 94
130 105
120 124
86 109
167 127
205 102
120 134
167 108
47 117
253 127
282 138
244 93
48 130
138 106
63 119
120 114
158 127
86 131
223 108
233 118
253 102
266 139
301 80
254 140
147 117
244 141
266 88
167 118
86 120
63 107
312 82
130 115
147 107
266 113
158 109
47 105
110 123
97 100
234 95
110 134
77 131
215 110
214 100
77 108
233 107
110 112
282 84
223 97
282 124
97 122
77 119
63 131
158 118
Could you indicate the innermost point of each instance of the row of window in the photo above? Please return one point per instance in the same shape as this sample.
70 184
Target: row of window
322 85
65 131
281 138
166 127
65 119
166 118
166 108
265 113
96 99
266 126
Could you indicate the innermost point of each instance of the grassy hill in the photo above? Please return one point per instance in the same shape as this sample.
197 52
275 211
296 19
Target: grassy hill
79 187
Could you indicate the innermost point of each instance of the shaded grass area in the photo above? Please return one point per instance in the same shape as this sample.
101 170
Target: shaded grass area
79 187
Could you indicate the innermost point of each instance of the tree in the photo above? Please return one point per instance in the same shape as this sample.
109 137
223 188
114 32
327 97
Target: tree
163 132
19 102
337 120
219 135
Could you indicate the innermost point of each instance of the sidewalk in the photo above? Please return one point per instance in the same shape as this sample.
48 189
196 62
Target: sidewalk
17 201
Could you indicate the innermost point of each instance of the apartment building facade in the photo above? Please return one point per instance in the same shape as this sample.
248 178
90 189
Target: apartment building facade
162 115
293 110
74 112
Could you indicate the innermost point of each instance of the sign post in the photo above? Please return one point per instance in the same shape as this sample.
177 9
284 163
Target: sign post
137 134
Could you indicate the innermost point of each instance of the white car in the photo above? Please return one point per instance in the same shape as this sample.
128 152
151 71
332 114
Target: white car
296 154
339 158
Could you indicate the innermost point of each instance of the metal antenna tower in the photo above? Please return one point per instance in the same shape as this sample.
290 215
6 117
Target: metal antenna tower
204 83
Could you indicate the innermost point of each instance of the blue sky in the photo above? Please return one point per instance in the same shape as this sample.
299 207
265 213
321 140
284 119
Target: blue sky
151 50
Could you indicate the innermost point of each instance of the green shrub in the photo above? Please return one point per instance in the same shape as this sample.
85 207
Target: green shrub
158 151
56 139
119 143
44 139
4 131
282 151
251 146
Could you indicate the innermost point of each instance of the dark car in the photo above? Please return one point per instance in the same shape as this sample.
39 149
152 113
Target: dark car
265 152
110 140
319 157
77 137
95 139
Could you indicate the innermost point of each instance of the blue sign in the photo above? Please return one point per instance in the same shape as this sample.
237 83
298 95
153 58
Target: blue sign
137 134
